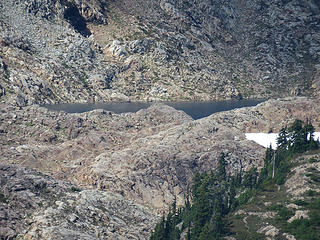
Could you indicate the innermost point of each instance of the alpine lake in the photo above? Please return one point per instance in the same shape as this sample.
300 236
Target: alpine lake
196 110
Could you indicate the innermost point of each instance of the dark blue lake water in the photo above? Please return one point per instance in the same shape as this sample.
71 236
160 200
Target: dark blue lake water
195 109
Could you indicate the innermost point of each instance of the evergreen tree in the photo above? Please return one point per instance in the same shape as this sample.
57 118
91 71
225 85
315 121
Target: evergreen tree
201 206
159 231
221 174
216 220
266 171
189 231
250 178
282 140
309 137
205 232
196 184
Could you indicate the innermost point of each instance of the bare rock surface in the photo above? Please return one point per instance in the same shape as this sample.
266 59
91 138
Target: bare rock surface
38 207
80 50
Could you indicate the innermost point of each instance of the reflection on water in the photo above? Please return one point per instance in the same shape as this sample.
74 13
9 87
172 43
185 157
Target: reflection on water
195 109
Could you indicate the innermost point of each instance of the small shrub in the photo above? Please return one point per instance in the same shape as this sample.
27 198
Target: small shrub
315 204
75 189
285 213
313 160
311 193
312 169
313 177
3 199
300 202
245 197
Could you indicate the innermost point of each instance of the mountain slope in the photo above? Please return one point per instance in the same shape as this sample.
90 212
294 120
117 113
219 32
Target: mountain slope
36 206
75 51
280 202
141 160
277 212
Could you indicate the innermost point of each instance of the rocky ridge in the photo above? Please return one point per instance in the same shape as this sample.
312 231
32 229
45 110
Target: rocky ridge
78 51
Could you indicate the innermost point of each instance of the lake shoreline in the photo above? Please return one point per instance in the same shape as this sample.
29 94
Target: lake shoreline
196 110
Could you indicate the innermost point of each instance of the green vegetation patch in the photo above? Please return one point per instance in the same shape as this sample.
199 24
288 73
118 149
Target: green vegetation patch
211 200
307 229
313 160
314 177
250 236
283 213
300 202
312 193
75 189
3 199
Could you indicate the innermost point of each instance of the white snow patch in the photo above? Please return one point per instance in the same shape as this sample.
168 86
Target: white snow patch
316 136
265 139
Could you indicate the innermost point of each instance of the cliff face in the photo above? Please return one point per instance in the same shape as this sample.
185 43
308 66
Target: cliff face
76 50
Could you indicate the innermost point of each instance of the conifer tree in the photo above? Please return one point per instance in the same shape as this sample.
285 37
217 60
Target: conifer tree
221 174
282 140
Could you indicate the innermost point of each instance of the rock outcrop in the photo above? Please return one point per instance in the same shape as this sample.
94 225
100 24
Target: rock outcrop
76 50
36 206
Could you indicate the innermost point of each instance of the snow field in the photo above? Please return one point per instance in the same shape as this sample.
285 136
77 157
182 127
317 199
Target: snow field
265 139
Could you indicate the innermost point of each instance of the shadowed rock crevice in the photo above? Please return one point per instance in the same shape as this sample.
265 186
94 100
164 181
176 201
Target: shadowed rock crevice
73 16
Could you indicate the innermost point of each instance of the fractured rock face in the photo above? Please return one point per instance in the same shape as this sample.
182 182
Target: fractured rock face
91 11
43 45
